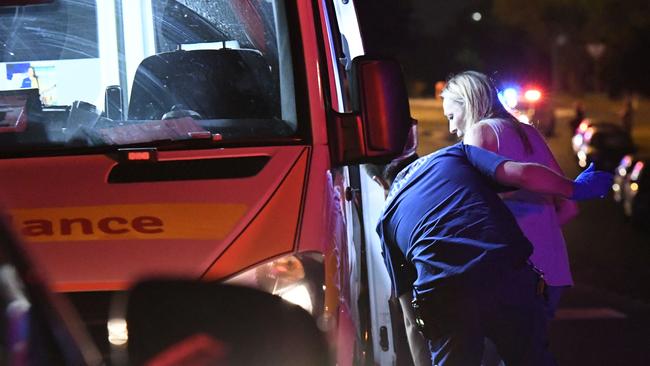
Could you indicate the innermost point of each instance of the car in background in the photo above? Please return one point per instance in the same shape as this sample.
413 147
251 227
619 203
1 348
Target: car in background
603 144
621 175
632 187
578 138
529 104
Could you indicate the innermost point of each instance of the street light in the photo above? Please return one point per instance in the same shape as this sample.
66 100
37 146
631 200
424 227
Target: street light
596 51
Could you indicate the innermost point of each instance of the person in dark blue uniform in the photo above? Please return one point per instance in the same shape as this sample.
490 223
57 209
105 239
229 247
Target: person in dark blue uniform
449 238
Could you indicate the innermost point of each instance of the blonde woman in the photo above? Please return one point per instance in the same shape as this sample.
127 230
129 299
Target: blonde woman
475 114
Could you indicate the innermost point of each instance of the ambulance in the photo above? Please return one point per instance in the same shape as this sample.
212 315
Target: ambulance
219 140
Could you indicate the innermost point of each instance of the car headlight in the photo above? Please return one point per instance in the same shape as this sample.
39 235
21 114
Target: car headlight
577 141
299 279
582 158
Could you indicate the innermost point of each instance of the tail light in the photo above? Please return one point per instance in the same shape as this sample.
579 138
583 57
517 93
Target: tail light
636 171
588 134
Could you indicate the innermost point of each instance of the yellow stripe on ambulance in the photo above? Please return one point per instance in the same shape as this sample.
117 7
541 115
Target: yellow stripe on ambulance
110 222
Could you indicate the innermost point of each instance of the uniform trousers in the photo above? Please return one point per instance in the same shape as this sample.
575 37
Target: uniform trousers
503 306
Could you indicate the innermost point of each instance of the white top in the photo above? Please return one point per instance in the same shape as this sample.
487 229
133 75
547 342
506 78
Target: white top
534 212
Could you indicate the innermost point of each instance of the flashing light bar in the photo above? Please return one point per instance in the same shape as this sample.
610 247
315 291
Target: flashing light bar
510 97
533 95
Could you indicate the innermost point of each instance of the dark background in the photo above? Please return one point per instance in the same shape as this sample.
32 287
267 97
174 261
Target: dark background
540 41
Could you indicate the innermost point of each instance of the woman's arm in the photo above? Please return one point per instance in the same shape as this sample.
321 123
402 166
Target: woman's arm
533 177
565 209
538 178
482 135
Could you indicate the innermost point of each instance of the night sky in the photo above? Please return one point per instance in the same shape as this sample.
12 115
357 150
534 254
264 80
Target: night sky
543 42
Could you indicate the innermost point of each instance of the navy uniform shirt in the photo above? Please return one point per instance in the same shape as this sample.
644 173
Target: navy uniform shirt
444 224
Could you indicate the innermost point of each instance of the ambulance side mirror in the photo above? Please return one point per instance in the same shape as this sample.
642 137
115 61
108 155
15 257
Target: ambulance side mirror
377 130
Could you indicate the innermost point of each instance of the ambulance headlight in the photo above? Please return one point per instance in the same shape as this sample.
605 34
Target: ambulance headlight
299 279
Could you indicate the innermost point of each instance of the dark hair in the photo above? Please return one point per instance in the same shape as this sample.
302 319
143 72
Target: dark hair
389 171
375 170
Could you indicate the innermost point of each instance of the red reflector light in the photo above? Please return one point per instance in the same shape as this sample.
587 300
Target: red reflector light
626 161
139 155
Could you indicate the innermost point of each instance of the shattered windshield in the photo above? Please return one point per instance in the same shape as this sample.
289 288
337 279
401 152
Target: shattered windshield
94 73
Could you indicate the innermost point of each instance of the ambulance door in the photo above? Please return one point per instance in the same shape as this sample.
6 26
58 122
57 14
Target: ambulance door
364 201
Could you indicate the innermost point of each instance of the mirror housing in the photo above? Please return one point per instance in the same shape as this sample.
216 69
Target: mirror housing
377 130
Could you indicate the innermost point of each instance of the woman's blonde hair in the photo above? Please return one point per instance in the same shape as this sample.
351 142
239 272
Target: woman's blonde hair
478 95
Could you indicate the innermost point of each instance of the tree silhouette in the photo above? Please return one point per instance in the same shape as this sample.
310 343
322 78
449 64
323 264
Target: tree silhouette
567 26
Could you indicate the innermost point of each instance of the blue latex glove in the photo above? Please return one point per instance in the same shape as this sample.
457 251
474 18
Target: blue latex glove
591 183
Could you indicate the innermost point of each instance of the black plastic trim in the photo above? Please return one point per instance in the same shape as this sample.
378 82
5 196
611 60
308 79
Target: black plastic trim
182 170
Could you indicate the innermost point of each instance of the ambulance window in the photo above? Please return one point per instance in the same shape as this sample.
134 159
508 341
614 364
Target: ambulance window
60 31
79 74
